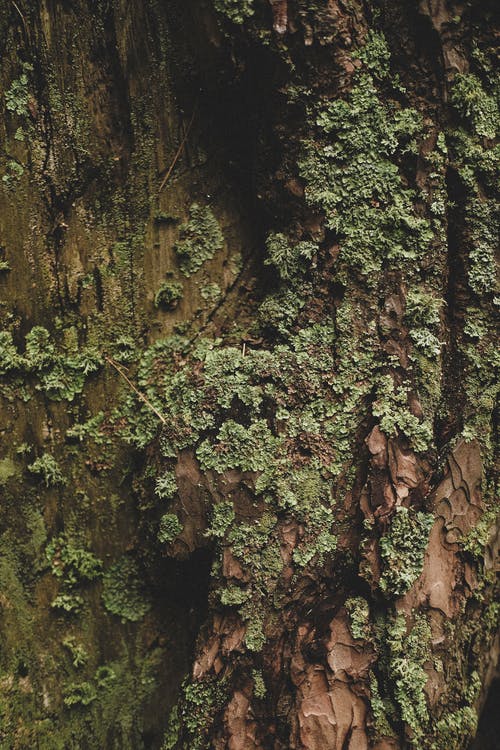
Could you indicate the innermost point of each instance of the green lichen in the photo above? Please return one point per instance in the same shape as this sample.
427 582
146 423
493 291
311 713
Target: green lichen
246 448
124 591
199 239
14 172
290 260
259 685
9 356
190 722
409 650
17 95
79 694
474 104
211 293
236 11
78 653
47 467
391 406
60 373
402 550
70 603
169 528
74 566
8 470
352 177
483 222
358 610
233 596
255 638
166 486
168 295
382 709
222 517
375 54
85 693
456 727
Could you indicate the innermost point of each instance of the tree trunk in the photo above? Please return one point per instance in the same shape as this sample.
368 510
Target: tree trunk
247 361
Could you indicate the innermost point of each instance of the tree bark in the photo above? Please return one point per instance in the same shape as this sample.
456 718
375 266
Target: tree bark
248 374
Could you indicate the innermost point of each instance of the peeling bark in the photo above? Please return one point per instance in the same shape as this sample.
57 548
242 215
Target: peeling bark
273 517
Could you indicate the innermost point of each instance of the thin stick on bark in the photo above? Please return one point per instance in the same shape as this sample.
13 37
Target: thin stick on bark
136 390
178 153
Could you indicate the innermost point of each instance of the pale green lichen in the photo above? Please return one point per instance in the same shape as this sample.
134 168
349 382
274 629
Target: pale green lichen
358 610
47 467
391 406
236 11
475 104
290 260
409 650
199 239
168 295
402 550
353 178
166 485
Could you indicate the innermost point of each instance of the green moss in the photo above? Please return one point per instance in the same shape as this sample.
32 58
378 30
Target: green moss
79 694
170 527
47 467
402 550
168 295
124 592
8 470
199 239
9 357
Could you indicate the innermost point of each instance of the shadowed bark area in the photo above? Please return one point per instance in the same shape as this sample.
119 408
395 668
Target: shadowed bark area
248 374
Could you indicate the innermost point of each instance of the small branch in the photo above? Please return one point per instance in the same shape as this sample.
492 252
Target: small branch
16 6
136 391
178 153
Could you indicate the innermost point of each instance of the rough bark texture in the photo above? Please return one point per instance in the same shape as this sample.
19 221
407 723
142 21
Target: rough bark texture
248 374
